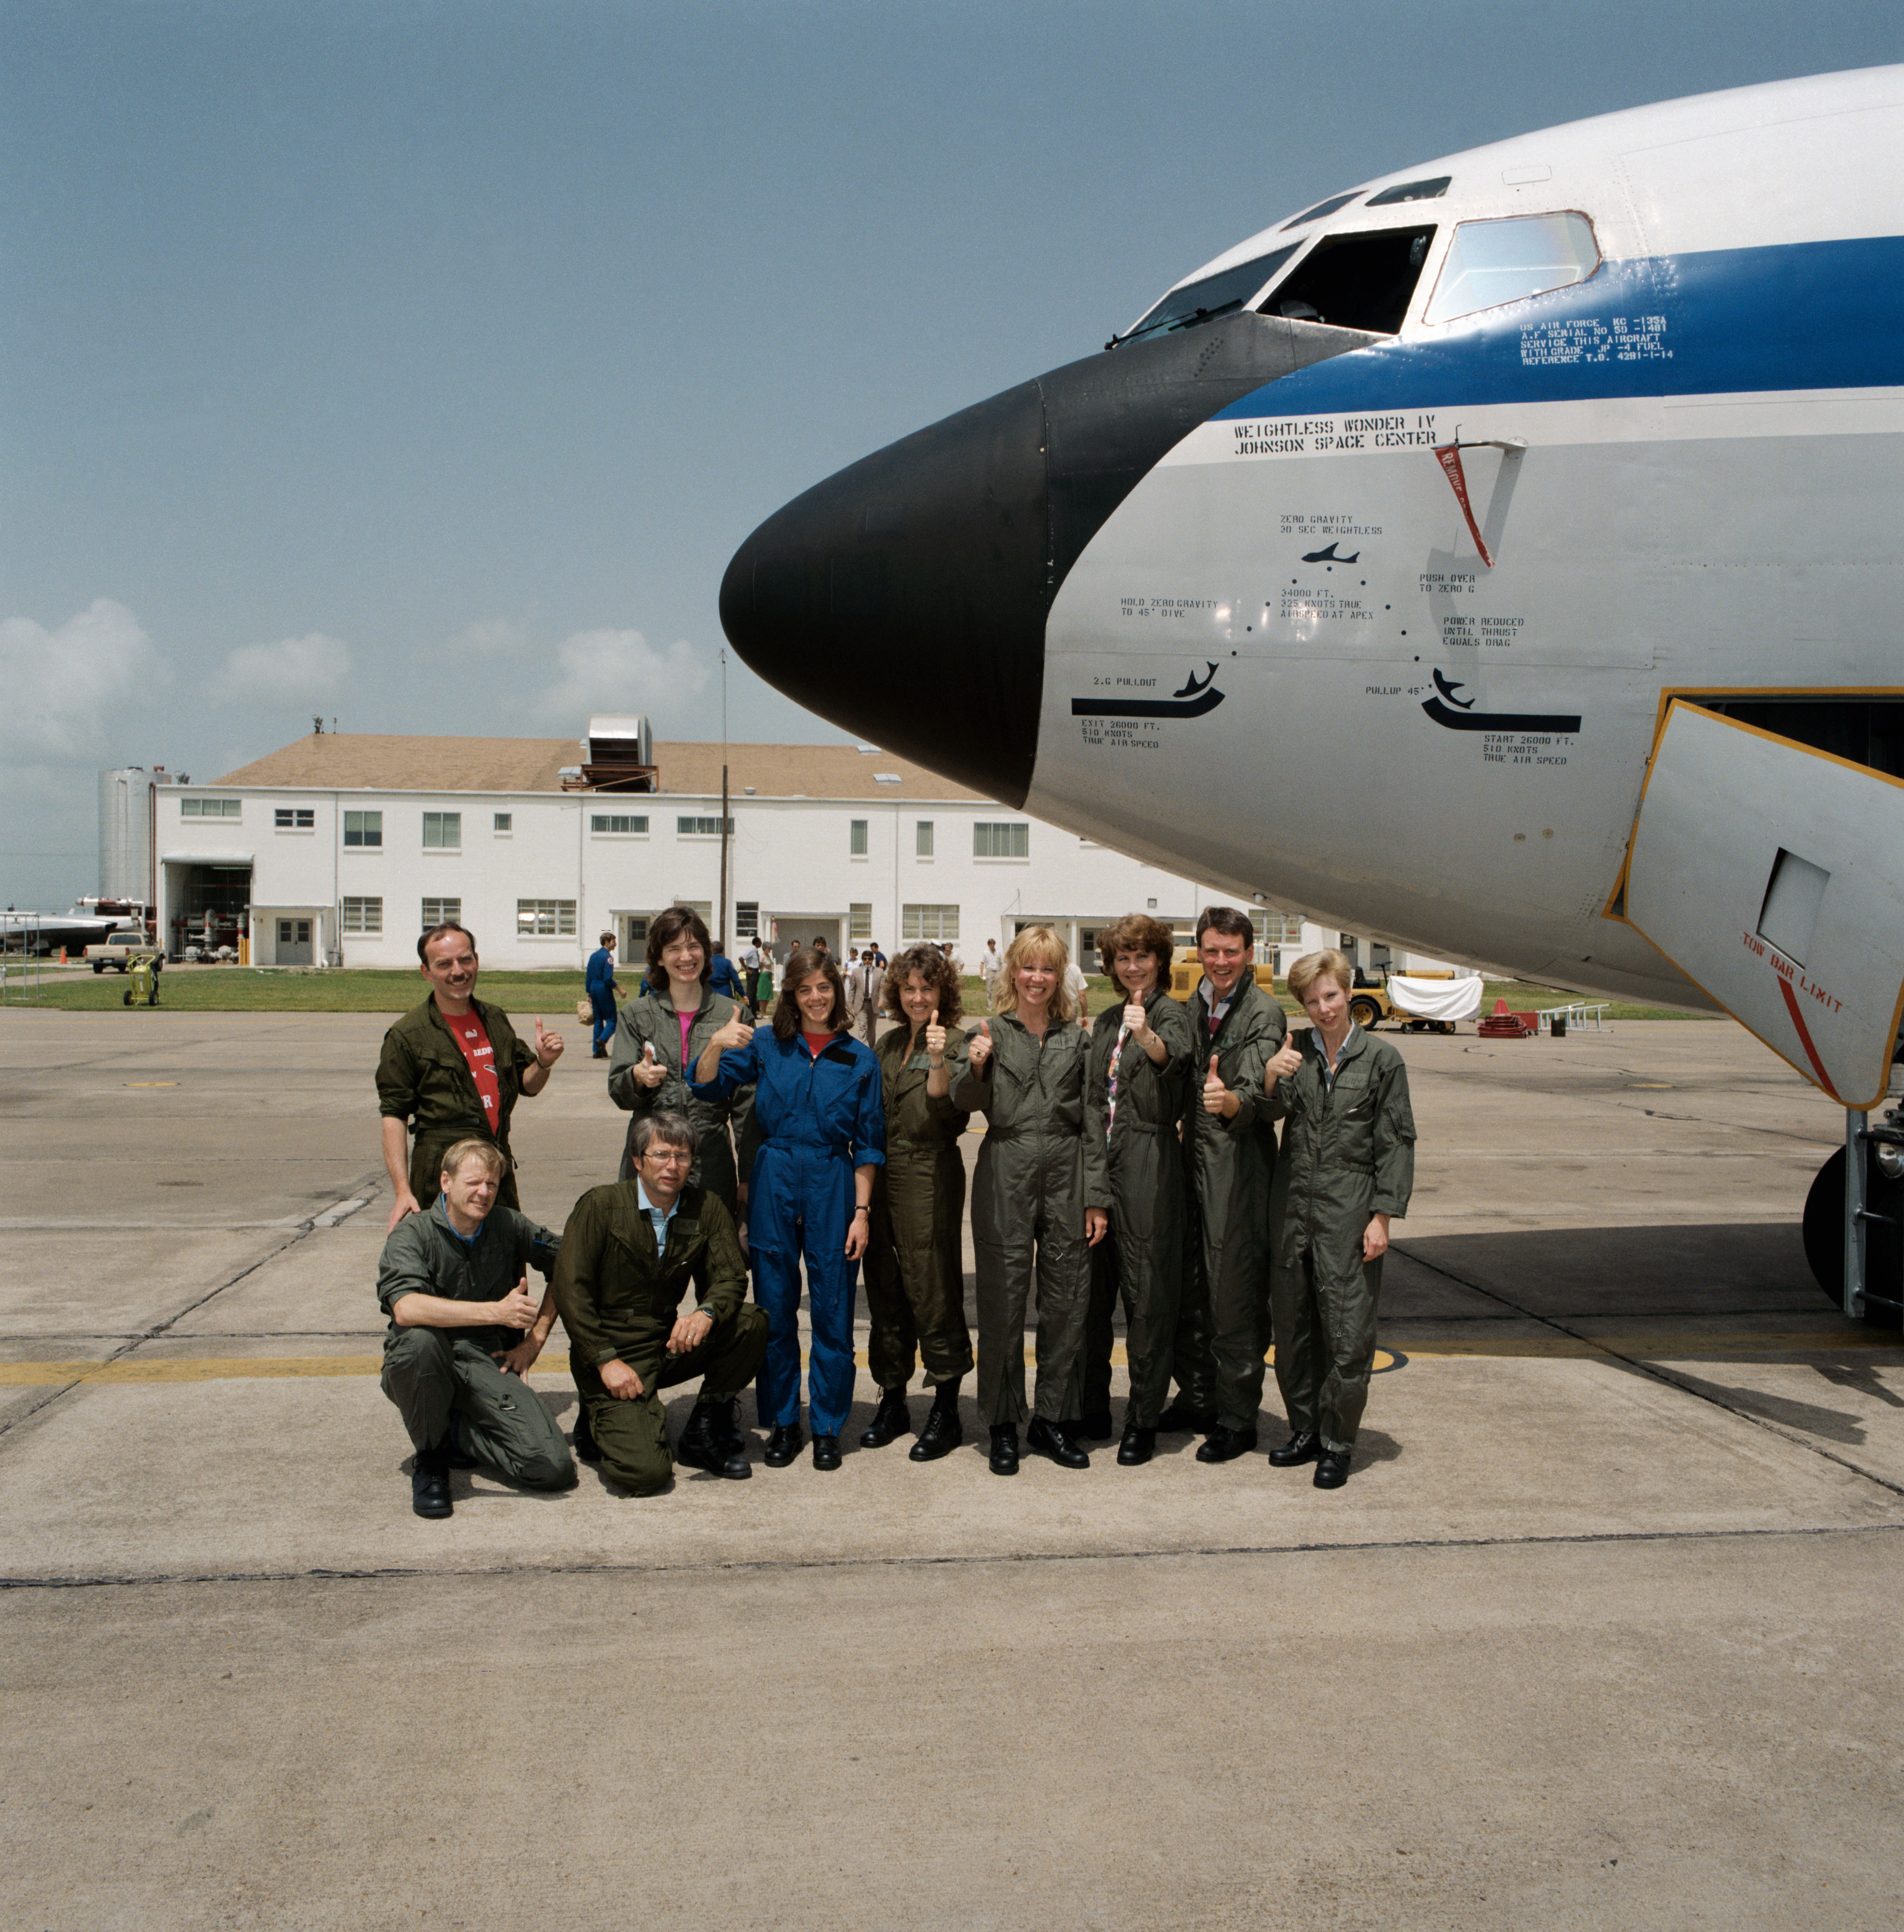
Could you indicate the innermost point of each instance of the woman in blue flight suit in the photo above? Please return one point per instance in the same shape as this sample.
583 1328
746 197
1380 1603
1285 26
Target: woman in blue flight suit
821 1126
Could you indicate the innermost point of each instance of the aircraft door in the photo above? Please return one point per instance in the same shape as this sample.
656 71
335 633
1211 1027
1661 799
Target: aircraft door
1772 876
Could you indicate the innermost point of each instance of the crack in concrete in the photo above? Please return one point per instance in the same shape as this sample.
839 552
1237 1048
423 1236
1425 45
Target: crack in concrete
766 1566
366 1185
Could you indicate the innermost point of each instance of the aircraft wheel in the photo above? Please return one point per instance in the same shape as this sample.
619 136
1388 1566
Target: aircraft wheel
1365 1013
1824 1238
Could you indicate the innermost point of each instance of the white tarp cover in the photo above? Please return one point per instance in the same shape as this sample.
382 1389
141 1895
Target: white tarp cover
1436 999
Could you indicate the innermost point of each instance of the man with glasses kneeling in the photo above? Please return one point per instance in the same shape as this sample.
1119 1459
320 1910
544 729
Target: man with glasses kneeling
629 1255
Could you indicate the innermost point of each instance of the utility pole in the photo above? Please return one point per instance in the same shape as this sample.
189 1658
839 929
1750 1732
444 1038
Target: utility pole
720 917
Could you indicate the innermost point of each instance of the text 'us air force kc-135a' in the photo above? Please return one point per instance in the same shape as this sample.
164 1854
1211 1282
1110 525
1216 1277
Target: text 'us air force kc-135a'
1506 555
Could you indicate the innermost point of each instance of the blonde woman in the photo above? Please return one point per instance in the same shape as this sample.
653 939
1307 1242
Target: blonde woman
1039 1199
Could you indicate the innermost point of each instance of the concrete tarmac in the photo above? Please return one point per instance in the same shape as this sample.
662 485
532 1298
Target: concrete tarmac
1602 1631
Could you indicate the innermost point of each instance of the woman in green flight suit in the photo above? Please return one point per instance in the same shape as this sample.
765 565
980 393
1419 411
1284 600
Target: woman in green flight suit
1038 1199
661 1031
915 1266
1139 1078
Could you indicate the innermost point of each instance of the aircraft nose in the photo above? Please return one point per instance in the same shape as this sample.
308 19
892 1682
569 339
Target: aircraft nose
905 598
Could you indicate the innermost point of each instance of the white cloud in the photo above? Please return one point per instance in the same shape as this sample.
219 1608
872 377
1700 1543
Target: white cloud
296 668
63 687
620 670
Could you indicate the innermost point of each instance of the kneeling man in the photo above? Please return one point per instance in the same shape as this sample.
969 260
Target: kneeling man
451 1281
628 1254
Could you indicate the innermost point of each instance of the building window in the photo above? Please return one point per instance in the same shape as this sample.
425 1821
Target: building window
859 920
442 831
928 921
1277 928
922 839
856 844
211 807
442 912
545 919
704 907
294 818
1010 840
363 915
363 828
747 919
700 828
505 823
617 822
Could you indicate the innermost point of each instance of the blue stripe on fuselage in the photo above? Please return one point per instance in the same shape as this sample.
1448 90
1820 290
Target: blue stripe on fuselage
1812 315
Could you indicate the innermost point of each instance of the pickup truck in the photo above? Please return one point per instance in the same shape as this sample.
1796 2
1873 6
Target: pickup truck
121 949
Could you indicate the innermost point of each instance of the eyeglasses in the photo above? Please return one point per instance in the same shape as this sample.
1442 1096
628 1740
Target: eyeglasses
668 1156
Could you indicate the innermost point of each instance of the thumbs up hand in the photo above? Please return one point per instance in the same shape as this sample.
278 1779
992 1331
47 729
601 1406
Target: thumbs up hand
734 1035
1135 1025
1286 1060
981 1048
648 1072
935 1040
1218 1099
548 1045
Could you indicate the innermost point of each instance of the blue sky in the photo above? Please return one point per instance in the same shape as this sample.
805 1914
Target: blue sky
422 365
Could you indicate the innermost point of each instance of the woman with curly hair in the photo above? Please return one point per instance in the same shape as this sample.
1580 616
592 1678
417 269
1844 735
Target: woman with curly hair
1038 1198
822 1132
1142 1050
915 1267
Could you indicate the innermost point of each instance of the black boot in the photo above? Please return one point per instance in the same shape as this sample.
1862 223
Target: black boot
1139 1445
430 1482
1224 1445
783 1445
1004 1449
1303 1447
891 1420
943 1433
1331 1469
712 1441
1049 1439
585 1448
825 1451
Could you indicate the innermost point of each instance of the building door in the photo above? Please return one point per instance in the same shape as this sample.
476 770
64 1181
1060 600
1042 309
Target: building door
294 942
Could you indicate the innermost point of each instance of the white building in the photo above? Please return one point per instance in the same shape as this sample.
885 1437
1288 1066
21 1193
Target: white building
343 848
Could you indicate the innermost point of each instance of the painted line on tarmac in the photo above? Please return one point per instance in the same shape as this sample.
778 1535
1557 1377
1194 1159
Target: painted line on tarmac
1609 1350
273 1368
1381 1546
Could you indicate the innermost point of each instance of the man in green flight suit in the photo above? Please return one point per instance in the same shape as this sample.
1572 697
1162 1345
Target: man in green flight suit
1347 1165
629 1253
1236 1026
451 1281
453 1067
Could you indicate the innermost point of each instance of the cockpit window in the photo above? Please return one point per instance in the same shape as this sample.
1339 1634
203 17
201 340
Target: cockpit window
1355 281
1490 263
1321 208
1431 190
1219 294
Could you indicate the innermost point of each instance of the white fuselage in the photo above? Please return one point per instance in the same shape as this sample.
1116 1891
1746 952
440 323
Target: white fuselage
1687 468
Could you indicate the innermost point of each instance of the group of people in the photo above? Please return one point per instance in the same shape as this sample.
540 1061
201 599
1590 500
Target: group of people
1226 1180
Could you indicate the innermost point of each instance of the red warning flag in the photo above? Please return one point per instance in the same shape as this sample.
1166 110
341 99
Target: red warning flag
1448 455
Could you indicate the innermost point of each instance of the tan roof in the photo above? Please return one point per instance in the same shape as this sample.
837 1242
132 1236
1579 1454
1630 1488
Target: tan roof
352 761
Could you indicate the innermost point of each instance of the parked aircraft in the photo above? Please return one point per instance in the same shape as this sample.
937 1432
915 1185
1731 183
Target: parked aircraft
1504 556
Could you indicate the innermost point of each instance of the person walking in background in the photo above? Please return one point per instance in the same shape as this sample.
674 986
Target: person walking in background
1226 1313
452 1070
817 1110
724 979
865 984
915 1265
989 965
1347 1168
600 983
1078 990
1142 1057
750 975
660 1035
1039 1199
